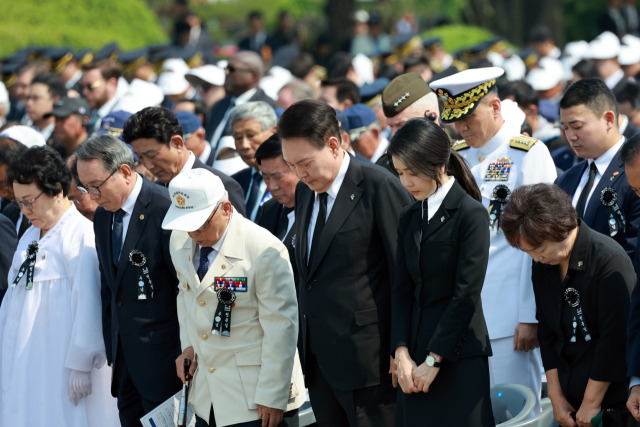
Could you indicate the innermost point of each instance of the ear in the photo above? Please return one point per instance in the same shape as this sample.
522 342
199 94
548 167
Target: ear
334 145
375 132
533 108
496 107
610 119
177 142
126 171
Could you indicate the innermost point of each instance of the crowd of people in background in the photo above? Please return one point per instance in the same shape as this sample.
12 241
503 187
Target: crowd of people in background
393 226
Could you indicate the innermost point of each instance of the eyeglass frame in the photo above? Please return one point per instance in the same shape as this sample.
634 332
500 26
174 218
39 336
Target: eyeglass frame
206 224
29 203
97 192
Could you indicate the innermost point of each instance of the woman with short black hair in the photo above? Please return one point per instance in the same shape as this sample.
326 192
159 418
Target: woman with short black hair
52 355
582 281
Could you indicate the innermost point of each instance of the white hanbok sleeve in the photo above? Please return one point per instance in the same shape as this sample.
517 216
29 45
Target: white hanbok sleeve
86 348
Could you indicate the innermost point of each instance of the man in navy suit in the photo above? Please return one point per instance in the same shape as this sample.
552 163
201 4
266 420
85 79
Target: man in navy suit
138 281
9 240
347 215
157 140
598 185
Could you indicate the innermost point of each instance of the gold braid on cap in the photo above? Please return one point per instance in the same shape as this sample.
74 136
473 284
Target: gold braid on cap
60 63
457 107
133 66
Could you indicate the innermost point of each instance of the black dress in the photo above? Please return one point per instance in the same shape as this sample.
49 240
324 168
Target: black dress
436 308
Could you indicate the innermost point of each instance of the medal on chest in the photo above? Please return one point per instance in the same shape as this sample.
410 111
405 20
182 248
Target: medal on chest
498 170
28 266
226 288
144 285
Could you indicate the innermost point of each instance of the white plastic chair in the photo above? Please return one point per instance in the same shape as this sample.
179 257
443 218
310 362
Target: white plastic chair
511 403
543 419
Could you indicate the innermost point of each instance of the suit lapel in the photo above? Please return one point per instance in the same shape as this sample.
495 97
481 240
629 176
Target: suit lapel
574 179
137 224
303 216
607 180
103 234
438 220
347 199
412 247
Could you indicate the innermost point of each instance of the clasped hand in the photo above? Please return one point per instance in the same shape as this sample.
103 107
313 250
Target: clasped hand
413 378
79 385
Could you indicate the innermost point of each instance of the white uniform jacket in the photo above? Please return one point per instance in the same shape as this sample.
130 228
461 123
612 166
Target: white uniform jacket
258 362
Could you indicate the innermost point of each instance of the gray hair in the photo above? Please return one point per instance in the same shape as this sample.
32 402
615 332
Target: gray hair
112 151
257 110
299 90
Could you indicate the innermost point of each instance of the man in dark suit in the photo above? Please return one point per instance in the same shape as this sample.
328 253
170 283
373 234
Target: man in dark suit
278 215
244 72
139 283
345 246
9 240
257 35
9 151
252 123
156 137
589 116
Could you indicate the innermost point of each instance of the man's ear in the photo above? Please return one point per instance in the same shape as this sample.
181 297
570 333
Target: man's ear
177 142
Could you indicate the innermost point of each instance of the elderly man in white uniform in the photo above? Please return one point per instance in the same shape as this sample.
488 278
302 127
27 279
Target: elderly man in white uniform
501 159
236 307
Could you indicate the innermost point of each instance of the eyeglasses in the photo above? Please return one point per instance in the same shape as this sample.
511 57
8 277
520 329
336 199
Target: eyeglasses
96 189
231 69
206 224
92 86
28 204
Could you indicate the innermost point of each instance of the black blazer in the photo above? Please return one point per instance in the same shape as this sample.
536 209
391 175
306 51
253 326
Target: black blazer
633 328
603 277
596 215
236 193
268 217
9 240
218 110
345 294
435 299
12 211
147 330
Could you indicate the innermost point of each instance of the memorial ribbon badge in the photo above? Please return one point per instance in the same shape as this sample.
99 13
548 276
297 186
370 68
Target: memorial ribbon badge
499 198
226 288
28 266
572 297
145 285
617 222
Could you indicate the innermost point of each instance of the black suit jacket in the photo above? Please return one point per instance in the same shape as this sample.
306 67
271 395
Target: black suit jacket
436 292
236 193
12 211
631 130
597 215
147 330
345 293
603 277
269 217
9 240
218 110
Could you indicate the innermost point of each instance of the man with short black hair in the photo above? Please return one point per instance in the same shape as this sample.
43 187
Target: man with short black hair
44 91
340 93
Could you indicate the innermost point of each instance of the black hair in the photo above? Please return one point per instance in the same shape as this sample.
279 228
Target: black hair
339 65
311 119
157 123
522 93
539 34
628 92
586 68
630 149
424 147
10 153
44 167
592 93
269 149
345 89
301 65
54 86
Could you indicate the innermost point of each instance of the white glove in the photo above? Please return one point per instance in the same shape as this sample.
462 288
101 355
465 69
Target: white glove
79 385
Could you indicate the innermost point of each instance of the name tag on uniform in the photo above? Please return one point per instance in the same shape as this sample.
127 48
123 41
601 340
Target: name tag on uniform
499 170
238 284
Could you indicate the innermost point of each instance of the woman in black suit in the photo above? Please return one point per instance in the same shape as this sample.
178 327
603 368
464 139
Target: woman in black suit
582 282
439 336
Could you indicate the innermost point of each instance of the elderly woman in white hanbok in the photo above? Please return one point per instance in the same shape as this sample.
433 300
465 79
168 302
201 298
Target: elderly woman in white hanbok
52 355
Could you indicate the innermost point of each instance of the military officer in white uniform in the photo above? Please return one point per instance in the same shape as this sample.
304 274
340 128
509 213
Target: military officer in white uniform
236 307
501 159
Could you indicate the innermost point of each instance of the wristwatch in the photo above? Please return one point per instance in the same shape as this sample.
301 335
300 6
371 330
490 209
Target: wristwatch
431 361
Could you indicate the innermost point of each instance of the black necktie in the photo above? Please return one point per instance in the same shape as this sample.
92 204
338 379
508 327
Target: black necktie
253 194
204 261
582 200
116 235
283 222
320 221
425 218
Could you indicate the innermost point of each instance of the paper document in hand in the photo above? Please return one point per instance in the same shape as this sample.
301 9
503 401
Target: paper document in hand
166 415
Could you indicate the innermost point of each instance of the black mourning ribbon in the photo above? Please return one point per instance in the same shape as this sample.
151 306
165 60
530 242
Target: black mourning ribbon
28 266
572 298
609 199
222 319
500 196
145 285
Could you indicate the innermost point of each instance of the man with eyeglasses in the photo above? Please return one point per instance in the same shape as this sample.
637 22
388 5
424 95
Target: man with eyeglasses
237 309
243 74
139 285
99 87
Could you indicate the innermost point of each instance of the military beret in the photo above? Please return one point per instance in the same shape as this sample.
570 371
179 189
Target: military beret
403 91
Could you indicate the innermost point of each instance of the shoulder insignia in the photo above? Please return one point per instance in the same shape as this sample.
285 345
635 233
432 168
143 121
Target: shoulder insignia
522 142
460 145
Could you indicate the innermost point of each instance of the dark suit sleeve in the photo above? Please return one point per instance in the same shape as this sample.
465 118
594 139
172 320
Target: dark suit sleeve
402 298
9 239
633 335
105 296
236 195
632 214
473 241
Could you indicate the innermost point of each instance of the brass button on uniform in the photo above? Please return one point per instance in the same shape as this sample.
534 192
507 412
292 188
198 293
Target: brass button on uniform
211 370
204 336
224 266
201 302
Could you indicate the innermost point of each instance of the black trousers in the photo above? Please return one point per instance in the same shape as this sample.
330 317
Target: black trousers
290 419
131 405
366 407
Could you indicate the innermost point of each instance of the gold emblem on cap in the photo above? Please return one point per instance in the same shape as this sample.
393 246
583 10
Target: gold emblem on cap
457 107
180 200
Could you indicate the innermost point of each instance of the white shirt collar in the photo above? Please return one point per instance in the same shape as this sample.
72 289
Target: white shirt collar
614 78
435 200
624 124
602 162
106 108
337 183
130 203
205 153
501 137
245 97
189 163
382 147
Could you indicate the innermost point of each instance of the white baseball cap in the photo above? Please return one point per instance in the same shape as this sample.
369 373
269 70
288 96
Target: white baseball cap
25 135
194 195
209 74
605 46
